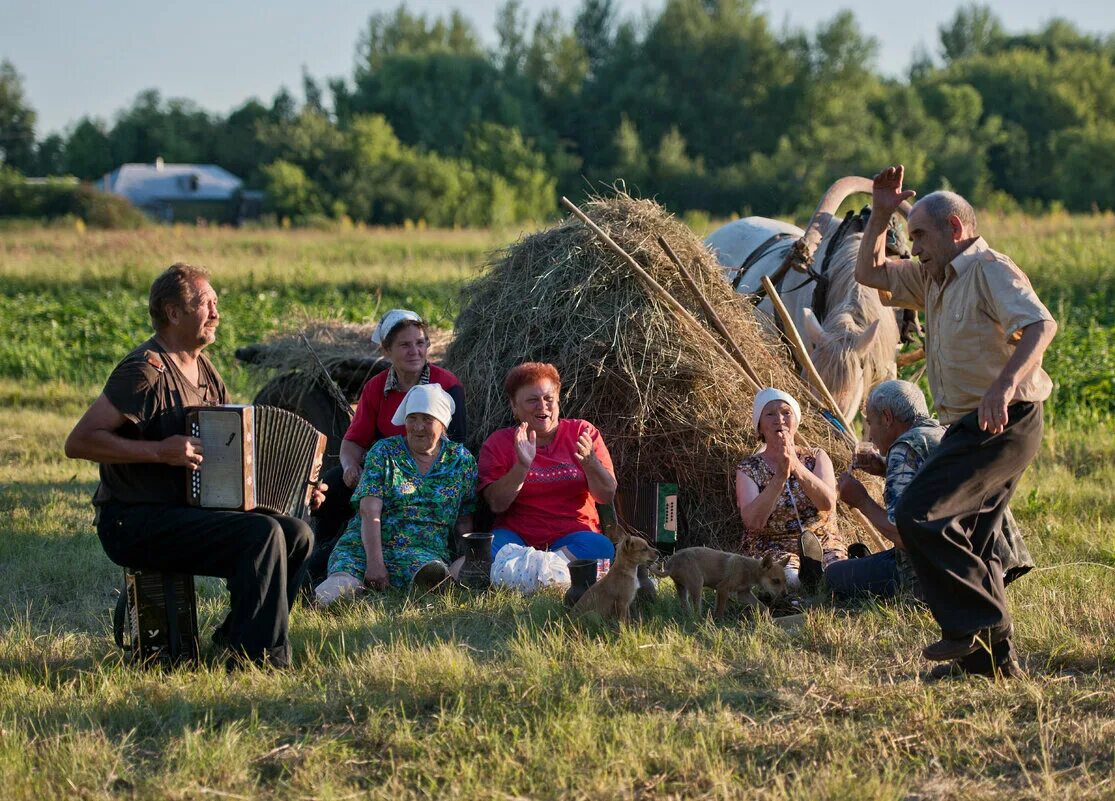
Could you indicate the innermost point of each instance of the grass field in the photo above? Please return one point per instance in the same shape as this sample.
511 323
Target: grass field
503 697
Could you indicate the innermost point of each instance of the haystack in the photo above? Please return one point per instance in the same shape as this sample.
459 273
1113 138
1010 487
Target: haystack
669 405
335 342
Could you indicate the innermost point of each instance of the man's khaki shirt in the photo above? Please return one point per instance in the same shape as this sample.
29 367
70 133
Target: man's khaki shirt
973 320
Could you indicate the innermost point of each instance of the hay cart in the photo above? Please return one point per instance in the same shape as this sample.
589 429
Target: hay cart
300 359
300 384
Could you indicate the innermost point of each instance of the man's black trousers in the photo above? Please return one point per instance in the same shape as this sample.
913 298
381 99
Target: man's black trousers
951 514
262 557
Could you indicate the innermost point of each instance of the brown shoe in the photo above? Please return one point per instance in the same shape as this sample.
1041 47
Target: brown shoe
947 650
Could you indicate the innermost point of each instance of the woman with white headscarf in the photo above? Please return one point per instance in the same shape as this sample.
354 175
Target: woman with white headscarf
403 338
787 494
414 492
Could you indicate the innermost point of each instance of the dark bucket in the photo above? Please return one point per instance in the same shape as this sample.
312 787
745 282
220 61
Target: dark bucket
582 575
476 572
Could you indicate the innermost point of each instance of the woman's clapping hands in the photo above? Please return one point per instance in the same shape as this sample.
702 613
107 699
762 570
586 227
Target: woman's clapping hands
526 445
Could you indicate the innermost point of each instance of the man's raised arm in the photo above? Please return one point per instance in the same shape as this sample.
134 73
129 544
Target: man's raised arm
886 197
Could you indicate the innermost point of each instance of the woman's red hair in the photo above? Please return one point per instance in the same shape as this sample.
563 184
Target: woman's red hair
529 373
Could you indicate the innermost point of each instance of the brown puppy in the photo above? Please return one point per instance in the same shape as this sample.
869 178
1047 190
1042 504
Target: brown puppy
693 569
612 595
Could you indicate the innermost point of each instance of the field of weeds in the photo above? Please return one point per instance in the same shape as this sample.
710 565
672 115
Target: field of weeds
504 697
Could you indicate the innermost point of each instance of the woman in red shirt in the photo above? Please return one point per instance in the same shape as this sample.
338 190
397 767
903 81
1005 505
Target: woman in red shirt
403 338
544 477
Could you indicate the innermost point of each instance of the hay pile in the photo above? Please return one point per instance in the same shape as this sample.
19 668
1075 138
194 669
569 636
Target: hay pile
335 342
669 406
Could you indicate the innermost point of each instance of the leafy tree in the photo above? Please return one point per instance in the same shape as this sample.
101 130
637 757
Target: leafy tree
177 130
311 142
631 162
284 108
594 28
555 62
507 166
50 155
236 141
716 60
402 33
843 53
17 121
511 50
972 31
1035 94
432 99
289 192
312 90
1084 166
88 153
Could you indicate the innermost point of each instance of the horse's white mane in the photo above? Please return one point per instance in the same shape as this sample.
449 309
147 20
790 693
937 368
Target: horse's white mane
851 307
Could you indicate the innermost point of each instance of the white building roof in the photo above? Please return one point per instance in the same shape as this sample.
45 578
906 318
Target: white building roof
147 184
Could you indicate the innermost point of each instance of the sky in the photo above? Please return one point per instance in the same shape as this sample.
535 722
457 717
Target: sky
92 57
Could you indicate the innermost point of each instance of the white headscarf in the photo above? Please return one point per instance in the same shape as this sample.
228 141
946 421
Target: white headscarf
766 396
390 320
428 399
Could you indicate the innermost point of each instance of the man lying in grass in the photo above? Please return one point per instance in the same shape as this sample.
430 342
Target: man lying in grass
136 431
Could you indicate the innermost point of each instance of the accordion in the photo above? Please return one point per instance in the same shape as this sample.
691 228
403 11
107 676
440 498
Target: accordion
651 508
255 458
159 613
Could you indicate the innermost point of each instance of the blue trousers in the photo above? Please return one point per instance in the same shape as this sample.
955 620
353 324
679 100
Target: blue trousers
582 544
876 574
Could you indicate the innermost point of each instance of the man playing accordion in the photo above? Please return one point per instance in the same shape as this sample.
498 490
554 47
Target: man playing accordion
136 431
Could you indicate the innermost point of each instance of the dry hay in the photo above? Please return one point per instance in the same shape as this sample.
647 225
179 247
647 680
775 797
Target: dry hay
336 343
670 407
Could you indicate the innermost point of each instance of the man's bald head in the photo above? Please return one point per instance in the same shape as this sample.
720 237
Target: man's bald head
939 206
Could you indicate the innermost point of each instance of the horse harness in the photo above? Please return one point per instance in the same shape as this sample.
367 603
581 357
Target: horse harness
757 254
853 222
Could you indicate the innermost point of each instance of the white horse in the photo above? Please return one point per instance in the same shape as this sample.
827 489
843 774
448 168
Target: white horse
854 345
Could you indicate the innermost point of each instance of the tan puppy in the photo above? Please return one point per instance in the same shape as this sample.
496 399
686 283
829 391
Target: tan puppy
612 595
693 569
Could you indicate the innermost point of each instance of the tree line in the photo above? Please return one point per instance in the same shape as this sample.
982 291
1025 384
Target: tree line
703 106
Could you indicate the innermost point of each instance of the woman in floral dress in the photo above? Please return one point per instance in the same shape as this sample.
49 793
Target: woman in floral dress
415 490
787 494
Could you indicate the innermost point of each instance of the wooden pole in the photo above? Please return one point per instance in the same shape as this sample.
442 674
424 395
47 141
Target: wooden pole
802 356
656 288
713 317
913 357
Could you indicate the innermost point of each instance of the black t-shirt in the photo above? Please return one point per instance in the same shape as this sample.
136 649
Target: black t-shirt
149 390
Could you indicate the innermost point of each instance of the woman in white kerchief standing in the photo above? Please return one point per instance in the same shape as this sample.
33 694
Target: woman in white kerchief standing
786 494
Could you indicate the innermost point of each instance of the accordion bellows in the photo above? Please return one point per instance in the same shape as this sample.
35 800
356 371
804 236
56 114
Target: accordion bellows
254 458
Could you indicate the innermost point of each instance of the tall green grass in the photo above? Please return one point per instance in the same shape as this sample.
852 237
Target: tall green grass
73 303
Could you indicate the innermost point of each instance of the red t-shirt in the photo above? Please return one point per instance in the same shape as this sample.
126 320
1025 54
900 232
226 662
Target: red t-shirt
554 500
374 410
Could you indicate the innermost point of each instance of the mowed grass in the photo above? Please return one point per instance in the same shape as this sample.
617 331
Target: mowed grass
501 696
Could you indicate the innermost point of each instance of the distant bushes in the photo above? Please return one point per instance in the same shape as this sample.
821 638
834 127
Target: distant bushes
58 198
366 174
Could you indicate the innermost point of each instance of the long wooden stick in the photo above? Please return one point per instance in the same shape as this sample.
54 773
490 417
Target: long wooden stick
710 312
803 357
914 356
656 288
